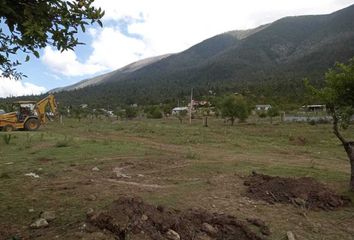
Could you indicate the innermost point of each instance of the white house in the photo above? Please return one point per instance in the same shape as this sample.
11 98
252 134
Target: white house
314 108
177 110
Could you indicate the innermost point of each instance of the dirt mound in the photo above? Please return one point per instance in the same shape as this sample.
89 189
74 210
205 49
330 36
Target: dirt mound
305 192
138 220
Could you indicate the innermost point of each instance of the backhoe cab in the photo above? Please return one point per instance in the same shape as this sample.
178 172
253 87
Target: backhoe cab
29 115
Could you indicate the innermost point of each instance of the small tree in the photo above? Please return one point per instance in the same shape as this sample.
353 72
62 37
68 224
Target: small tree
272 112
131 112
338 95
234 107
153 112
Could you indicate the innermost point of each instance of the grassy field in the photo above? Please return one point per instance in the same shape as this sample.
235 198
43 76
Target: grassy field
165 162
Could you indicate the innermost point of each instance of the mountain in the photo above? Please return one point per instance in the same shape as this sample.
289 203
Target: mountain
269 61
117 74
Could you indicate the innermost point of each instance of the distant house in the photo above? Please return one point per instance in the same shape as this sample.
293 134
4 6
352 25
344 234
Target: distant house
264 107
197 104
84 105
314 108
177 110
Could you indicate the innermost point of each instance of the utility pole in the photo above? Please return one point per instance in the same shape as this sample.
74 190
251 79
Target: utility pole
190 107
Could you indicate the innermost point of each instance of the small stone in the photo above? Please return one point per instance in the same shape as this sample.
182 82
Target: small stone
40 223
95 169
206 227
92 197
144 217
299 201
290 235
90 212
213 206
31 210
172 235
140 175
203 236
32 175
48 215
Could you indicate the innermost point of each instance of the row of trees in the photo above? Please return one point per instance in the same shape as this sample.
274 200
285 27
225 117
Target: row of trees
231 107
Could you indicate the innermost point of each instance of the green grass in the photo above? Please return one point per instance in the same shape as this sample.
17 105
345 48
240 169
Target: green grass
181 156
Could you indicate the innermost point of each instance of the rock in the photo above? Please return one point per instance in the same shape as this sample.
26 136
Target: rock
89 228
40 223
31 210
203 236
48 215
172 235
140 175
92 197
90 212
144 217
300 202
31 174
290 235
95 169
206 227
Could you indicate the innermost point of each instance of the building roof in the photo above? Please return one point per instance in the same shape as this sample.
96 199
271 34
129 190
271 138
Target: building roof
180 108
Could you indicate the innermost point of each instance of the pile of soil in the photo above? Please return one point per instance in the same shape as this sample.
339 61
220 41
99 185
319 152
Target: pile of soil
305 192
131 218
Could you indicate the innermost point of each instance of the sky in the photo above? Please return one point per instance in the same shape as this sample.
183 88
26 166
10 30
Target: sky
137 29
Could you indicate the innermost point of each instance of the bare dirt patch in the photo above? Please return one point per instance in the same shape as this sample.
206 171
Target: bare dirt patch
305 192
10 232
132 218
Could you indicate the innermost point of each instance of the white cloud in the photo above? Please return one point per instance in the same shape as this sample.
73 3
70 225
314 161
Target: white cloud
171 26
66 63
11 87
112 49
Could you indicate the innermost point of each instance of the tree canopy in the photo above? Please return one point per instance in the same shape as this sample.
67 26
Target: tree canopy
35 24
233 107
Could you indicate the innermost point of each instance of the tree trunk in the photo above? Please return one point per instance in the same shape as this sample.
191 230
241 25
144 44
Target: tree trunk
348 147
350 152
232 121
205 121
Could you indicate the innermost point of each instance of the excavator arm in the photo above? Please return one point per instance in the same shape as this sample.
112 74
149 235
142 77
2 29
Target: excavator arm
41 107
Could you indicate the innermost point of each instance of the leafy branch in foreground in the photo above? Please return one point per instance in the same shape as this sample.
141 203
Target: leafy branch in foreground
33 25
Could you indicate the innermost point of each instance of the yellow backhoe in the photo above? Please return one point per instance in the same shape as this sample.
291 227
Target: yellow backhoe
29 115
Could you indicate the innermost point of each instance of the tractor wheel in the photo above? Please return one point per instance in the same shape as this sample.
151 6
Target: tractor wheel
8 128
32 124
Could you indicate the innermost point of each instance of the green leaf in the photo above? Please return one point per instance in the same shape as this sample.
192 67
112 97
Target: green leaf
83 27
27 58
100 23
36 53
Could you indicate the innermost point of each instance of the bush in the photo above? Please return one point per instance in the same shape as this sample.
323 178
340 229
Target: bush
154 112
